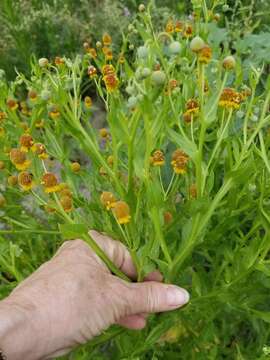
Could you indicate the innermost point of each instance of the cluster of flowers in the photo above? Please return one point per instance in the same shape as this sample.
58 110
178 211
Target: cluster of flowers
179 160
120 209
20 158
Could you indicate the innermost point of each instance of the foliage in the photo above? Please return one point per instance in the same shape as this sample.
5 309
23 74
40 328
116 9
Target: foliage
185 158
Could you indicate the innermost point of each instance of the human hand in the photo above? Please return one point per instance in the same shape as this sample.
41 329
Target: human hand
74 297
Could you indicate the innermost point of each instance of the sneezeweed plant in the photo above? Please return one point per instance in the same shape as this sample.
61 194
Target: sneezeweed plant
179 173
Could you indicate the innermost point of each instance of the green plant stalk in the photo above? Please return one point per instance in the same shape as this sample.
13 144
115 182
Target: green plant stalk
220 139
200 223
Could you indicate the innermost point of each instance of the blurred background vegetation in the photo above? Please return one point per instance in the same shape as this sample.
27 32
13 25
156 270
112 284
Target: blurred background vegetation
49 28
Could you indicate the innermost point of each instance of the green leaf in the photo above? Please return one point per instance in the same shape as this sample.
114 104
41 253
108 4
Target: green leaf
72 231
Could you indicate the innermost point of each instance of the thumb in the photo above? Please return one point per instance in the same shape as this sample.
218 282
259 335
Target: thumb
151 297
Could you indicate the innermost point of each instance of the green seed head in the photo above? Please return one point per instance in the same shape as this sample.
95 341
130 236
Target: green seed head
142 52
43 62
158 77
229 63
175 48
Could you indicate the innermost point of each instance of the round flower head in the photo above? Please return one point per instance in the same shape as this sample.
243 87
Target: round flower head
158 158
110 160
12 104
50 183
54 112
40 150
104 133
122 212
170 27
18 158
188 31
43 62
111 82
86 45
108 69
158 77
167 217
205 54
193 191
2 201
103 171
108 199
2 165
92 71
12 180
179 26
229 63
32 95
75 167
179 161
141 8
192 106
106 39
67 203
3 116
230 99
59 61
108 54
197 44
26 142
88 102
25 180
92 52
121 58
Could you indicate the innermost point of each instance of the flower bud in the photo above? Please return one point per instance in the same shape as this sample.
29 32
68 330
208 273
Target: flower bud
175 48
43 62
197 44
141 8
229 63
158 77
142 52
75 167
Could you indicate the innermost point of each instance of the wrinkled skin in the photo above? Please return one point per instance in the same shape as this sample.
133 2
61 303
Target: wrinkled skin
74 297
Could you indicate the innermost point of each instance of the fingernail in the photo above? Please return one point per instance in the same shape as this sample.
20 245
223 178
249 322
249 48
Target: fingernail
177 296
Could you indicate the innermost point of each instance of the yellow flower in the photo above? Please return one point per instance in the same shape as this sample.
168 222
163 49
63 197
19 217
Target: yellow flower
108 69
111 82
192 107
2 165
170 27
39 124
205 54
108 199
103 171
230 99
179 26
67 203
18 158
12 180
88 102
50 183
179 161
40 150
75 167
26 142
122 212
12 104
54 112
92 52
108 53
104 133
121 58
3 116
32 95
106 39
158 158
188 31
25 180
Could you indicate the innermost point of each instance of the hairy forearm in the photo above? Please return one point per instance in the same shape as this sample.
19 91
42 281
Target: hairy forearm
18 338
